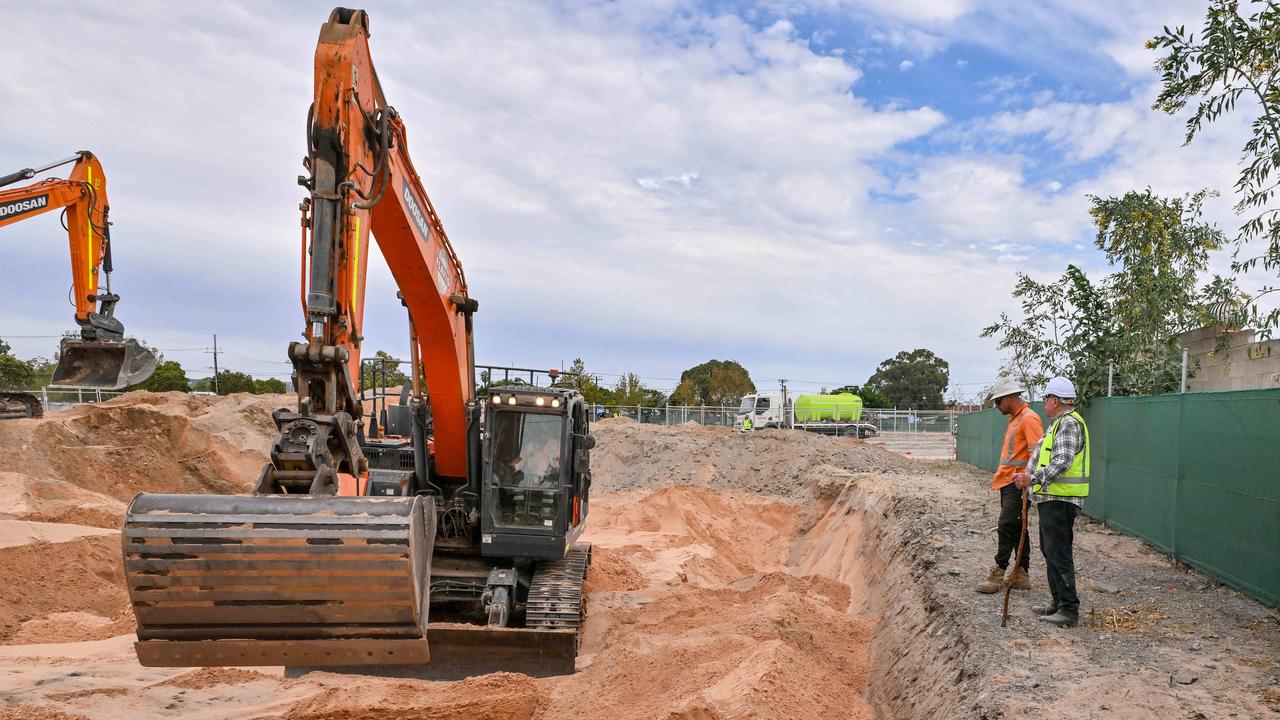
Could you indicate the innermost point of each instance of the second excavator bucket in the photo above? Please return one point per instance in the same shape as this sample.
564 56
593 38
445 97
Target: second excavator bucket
279 580
102 364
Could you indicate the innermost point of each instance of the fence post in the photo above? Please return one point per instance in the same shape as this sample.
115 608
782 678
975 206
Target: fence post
1111 374
1183 386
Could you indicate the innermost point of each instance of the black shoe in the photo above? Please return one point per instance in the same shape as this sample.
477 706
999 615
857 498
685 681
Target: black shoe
1045 609
1060 619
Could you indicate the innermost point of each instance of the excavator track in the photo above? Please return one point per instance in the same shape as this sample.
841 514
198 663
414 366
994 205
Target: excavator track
278 579
14 405
547 645
555 594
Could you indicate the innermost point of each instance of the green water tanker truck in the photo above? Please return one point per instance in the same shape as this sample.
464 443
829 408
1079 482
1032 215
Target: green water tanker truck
839 414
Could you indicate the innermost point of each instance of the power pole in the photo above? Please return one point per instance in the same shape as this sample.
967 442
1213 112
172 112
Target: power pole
786 407
215 365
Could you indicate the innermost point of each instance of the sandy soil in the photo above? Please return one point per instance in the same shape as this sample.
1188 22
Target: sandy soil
770 575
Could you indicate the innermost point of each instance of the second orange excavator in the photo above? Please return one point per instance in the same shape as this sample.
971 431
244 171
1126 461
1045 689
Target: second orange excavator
349 543
101 358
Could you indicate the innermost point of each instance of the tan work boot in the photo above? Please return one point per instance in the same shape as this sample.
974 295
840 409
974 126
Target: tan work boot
993 583
1019 580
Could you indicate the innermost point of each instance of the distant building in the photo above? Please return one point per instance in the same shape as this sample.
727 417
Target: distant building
1230 359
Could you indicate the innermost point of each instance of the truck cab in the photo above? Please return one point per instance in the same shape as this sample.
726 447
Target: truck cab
766 410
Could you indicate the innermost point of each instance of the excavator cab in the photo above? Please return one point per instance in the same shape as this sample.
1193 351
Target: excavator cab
536 472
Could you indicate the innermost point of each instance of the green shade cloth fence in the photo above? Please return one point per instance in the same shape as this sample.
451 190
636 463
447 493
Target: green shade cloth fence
1196 475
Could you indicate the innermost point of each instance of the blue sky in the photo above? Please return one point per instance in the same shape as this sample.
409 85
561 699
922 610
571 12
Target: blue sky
808 188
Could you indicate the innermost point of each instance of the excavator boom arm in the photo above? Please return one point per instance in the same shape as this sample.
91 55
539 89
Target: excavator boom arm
84 196
101 358
363 184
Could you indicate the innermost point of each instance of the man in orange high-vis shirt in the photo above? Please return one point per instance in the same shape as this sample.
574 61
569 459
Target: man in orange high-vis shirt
1023 433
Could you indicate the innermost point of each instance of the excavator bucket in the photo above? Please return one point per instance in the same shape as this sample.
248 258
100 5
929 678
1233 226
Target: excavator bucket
218 580
102 364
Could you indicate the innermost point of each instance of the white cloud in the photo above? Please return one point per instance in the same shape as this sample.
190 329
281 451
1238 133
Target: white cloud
906 65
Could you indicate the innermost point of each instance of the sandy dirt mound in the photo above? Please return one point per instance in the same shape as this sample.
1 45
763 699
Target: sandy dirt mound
202 678
500 696
44 499
27 711
782 463
78 468
155 442
63 592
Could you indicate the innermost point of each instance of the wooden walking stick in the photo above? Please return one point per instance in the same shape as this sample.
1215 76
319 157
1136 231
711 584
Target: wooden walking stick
1022 537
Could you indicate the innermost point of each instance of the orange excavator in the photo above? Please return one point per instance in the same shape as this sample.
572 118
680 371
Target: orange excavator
349 543
101 358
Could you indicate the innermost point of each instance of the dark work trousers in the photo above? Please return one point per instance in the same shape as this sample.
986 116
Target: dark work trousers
1056 521
1008 527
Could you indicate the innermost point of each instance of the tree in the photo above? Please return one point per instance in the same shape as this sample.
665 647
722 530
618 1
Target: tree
388 373
1131 319
720 383
229 381
269 386
914 379
14 373
1234 61
168 376
630 391
586 383
870 397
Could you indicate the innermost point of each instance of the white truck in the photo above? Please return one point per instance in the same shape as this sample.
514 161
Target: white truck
839 415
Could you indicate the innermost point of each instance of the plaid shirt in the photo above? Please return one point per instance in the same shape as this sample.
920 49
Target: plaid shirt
1067 443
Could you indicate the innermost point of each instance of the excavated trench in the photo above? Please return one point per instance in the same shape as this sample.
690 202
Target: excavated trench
870 540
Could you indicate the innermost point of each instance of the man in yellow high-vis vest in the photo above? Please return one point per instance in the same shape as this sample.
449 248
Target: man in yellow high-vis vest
1058 475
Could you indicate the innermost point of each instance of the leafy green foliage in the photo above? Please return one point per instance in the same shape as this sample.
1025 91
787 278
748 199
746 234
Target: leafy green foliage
1235 60
587 384
387 375
871 398
630 391
914 379
231 381
714 382
17 374
1075 328
168 376
269 386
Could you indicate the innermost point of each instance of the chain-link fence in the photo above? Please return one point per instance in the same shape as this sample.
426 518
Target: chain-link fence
669 414
61 398
911 421
885 421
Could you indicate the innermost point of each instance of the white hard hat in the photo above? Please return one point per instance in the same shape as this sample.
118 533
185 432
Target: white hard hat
1006 385
1060 387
